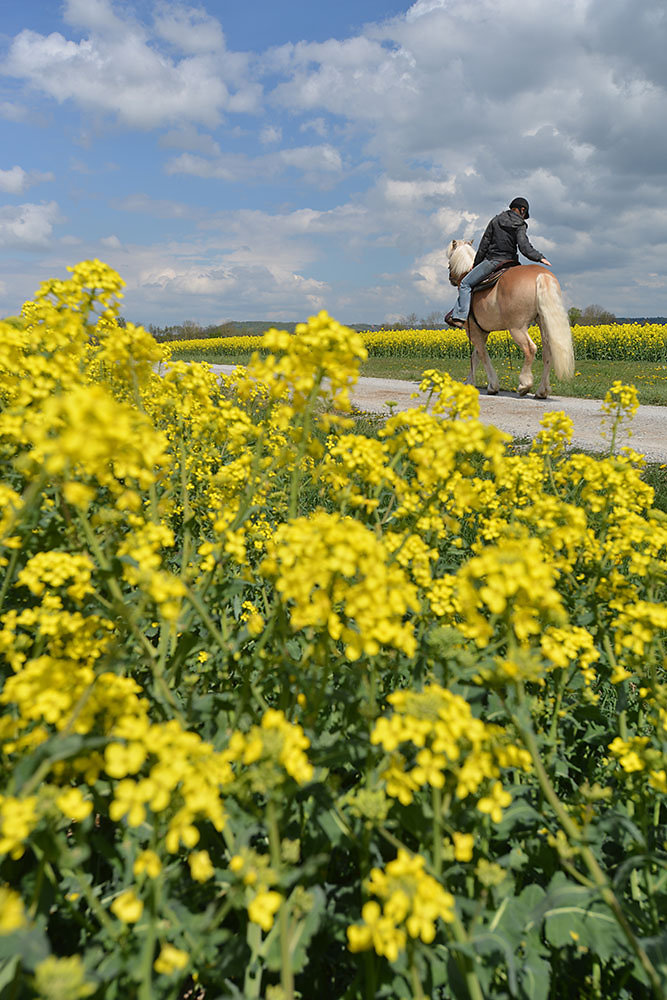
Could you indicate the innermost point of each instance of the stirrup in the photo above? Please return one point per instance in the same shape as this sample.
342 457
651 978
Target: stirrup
460 324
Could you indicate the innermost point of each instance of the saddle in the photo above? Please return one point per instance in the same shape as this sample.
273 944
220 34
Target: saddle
492 279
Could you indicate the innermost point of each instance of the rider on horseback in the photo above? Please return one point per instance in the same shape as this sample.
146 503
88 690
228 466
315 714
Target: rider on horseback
504 235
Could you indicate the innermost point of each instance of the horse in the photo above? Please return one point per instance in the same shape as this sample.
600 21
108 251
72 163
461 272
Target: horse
522 295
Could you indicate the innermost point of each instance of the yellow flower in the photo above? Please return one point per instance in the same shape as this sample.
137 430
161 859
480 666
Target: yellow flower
201 867
17 819
121 760
74 805
264 907
494 803
127 907
463 846
147 862
170 959
62 979
12 911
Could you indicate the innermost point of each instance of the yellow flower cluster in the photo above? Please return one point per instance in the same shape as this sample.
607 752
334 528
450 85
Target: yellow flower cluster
333 573
320 349
274 742
636 755
412 902
432 739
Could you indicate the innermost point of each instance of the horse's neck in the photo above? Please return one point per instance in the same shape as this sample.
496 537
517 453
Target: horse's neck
460 264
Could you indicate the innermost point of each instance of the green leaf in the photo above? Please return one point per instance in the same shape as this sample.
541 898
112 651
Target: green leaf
30 946
574 915
656 949
519 813
491 943
514 921
8 969
515 917
535 977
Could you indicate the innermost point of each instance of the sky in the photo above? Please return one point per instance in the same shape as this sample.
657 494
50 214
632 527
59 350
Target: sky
267 159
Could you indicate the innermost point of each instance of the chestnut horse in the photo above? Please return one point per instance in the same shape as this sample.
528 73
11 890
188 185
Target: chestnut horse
522 295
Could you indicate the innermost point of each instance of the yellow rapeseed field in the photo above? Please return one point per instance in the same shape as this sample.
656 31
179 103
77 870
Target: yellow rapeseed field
292 706
613 342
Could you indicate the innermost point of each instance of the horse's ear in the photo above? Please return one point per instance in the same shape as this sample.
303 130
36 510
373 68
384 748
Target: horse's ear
470 242
455 243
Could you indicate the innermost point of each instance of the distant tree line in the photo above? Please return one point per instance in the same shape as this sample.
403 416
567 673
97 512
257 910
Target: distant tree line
590 316
433 321
190 329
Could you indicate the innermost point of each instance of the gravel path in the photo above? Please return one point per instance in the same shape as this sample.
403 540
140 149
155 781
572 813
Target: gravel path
520 416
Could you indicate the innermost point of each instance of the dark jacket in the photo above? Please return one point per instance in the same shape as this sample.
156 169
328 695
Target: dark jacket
503 236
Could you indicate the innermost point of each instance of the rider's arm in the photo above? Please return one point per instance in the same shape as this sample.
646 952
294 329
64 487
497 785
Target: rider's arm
526 247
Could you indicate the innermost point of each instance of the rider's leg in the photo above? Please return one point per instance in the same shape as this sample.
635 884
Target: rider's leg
479 273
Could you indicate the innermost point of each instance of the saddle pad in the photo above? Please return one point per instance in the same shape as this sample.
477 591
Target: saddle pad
495 277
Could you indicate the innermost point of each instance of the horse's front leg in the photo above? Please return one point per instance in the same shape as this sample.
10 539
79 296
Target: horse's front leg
474 361
478 340
529 349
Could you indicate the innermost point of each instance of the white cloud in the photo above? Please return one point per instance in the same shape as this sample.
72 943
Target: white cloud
430 275
312 158
270 134
318 163
220 276
16 180
416 191
119 69
13 112
189 29
28 226
190 138
96 15
159 208
318 125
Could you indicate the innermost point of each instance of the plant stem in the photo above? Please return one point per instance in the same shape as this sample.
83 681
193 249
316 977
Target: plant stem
597 874
465 964
436 800
286 973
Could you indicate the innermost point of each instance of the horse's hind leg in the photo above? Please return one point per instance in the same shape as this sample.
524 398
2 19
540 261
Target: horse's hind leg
525 343
478 340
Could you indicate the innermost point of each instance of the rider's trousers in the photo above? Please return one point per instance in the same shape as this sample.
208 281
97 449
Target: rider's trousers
479 273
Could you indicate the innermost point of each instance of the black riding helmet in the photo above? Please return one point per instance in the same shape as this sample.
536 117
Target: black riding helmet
520 203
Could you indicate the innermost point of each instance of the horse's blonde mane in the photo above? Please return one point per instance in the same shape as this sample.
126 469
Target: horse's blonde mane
460 254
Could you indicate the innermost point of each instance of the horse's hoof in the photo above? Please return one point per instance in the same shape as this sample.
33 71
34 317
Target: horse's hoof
491 392
541 395
524 390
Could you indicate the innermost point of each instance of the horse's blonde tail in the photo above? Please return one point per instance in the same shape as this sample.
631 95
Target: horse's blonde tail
555 325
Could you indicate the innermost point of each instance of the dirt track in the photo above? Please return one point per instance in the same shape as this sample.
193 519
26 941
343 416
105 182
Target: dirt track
520 416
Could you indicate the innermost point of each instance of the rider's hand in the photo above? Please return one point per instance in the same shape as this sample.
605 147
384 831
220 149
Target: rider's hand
545 261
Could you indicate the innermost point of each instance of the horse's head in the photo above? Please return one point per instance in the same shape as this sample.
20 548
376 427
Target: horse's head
460 254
